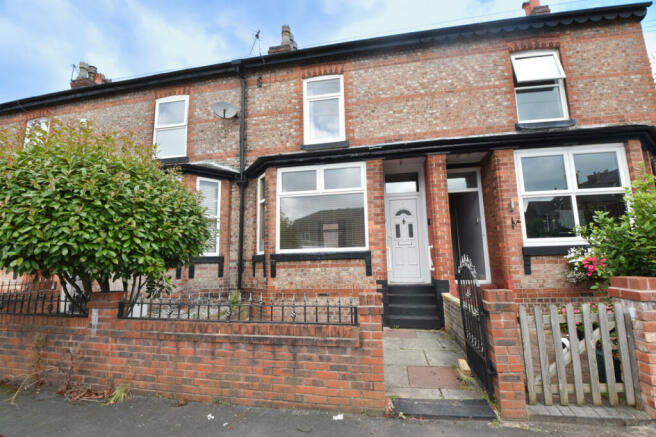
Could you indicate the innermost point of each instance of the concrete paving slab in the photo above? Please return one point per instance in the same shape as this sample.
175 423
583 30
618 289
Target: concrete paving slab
442 358
414 393
404 357
396 376
433 377
455 394
400 333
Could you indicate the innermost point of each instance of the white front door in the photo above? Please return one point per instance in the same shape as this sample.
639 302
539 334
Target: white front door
406 242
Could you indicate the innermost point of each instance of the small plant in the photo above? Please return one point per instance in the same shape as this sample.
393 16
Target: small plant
585 265
363 411
119 394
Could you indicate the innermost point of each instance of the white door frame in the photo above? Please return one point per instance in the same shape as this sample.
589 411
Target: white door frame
479 190
410 166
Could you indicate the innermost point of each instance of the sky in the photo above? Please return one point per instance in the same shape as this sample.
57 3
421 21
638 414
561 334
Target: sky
41 40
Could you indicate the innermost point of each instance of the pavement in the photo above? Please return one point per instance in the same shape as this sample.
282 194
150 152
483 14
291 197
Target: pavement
422 364
47 414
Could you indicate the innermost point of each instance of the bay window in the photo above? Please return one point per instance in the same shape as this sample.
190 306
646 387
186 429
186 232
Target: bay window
560 189
323 109
171 126
210 191
322 208
539 86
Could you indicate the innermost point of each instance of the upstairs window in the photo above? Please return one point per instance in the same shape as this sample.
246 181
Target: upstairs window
323 109
171 126
39 126
539 86
210 191
560 189
322 208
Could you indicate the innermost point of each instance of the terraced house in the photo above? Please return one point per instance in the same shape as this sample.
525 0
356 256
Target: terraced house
373 166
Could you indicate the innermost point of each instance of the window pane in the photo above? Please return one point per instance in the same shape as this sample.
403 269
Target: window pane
171 142
542 173
535 68
171 113
588 205
299 181
324 119
461 181
597 170
335 178
319 87
549 217
210 194
260 241
539 104
211 243
327 221
402 183
260 189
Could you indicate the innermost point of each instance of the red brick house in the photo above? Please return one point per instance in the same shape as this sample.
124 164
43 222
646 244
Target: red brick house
375 164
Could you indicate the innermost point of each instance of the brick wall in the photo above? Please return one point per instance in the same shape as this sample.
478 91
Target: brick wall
282 365
453 318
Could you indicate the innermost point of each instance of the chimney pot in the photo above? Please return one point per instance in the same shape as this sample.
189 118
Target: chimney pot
533 7
87 75
287 42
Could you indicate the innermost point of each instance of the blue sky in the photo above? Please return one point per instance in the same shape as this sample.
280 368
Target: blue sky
41 40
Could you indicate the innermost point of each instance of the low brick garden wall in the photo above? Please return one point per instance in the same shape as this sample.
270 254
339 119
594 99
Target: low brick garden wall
453 318
256 364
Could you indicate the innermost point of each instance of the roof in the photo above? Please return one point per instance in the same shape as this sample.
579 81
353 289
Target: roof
510 25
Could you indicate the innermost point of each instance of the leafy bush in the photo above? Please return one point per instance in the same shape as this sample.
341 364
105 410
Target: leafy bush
628 242
90 207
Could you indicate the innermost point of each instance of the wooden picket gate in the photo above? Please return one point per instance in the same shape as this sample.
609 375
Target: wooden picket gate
565 359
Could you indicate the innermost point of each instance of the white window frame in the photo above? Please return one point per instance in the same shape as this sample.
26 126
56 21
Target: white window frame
557 81
306 109
218 211
572 186
156 128
481 207
43 121
261 200
319 191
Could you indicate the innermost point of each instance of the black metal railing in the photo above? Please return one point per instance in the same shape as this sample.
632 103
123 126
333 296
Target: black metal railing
248 308
42 298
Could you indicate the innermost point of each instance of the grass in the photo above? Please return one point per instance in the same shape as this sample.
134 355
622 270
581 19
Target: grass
120 394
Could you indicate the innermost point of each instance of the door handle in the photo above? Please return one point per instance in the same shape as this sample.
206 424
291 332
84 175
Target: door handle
430 258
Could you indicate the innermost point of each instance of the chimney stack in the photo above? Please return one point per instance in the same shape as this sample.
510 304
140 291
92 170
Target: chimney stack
87 75
533 7
287 44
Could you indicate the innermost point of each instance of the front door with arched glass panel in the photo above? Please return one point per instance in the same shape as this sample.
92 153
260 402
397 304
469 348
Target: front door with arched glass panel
405 241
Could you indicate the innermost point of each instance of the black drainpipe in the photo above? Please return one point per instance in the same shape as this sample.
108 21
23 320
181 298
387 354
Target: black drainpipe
242 181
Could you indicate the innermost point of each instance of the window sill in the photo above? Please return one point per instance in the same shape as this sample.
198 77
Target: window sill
326 146
321 256
545 124
529 251
202 260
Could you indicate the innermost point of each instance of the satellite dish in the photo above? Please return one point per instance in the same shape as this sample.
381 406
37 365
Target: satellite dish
224 109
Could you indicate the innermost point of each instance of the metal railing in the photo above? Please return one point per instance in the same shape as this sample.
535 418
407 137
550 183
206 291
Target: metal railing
226 308
41 298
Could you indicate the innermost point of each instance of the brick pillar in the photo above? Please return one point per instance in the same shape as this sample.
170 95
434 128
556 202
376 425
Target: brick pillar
639 294
439 231
504 242
95 355
376 217
370 320
505 352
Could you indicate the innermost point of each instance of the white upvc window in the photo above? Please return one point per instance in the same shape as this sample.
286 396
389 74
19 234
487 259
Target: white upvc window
40 125
170 133
210 190
539 86
322 208
561 188
323 109
261 203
